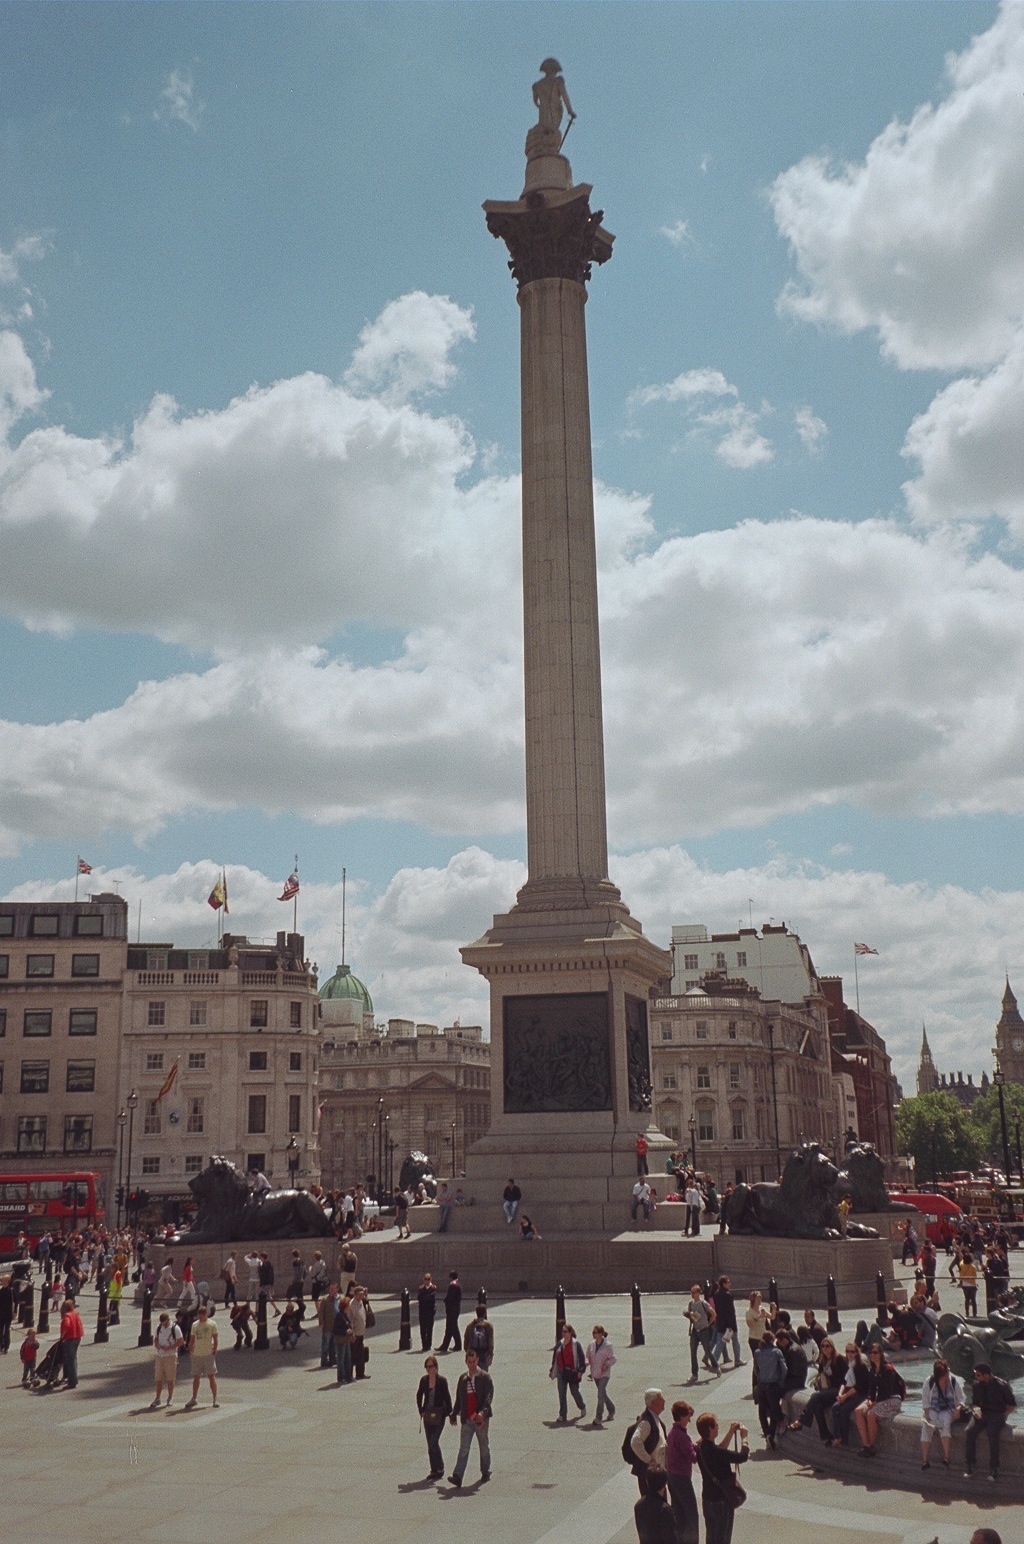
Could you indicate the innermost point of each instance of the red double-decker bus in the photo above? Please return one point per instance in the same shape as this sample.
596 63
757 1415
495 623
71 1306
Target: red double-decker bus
37 1203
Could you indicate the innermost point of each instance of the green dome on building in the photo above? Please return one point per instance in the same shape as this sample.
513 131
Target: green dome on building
342 986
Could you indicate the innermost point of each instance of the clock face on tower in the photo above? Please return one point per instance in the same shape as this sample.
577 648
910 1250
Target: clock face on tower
1017 1043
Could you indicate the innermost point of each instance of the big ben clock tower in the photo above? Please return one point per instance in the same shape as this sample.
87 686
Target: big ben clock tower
1010 1038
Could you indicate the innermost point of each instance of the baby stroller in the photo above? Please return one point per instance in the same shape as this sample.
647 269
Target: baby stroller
50 1371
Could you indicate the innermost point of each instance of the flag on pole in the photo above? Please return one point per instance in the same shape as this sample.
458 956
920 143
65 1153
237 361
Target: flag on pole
291 887
864 949
83 867
218 896
168 1082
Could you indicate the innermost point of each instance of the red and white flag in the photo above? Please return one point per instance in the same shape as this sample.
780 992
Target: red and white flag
291 887
83 867
864 949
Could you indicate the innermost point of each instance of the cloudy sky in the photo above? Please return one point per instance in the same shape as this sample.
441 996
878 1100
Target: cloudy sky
259 455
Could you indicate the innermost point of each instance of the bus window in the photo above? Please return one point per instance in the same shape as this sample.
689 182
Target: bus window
12 1190
101 1200
45 1189
81 1200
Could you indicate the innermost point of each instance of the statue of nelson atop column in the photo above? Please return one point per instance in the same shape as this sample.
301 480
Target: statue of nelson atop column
549 97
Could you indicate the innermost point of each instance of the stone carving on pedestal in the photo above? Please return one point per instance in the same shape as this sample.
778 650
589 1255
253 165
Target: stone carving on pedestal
557 1053
638 1054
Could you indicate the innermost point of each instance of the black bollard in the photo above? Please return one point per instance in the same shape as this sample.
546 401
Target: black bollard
481 1300
101 1337
48 1271
559 1313
637 1337
113 1311
261 1343
404 1324
43 1326
882 1314
26 1312
833 1326
773 1291
146 1331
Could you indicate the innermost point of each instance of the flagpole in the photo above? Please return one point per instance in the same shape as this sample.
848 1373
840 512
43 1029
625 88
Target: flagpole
856 979
295 899
78 868
343 874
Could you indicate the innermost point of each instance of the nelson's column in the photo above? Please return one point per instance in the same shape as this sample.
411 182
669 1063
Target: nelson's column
569 969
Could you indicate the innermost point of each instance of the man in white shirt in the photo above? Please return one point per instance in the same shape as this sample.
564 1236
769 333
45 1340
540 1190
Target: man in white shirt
167 1283
649 1442
252 1286
694 1202
260 1184
641 1198
166 1344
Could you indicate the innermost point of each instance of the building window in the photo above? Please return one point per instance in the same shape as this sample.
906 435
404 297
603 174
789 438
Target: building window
199 960
741 959
197 1061
1 1077
258 1013
666 1032
151 1124
78 1133
85 964
738 1134
257 1061
734 1074
719 961
193 1163
154 1061
668 1080
691 962
197 1015
156 1014
44 927
82 1021
194 1119
295 1015
5 964
31 1133
705 1125
256 1162
732 1029
35 1077
39 965
3 1022
81 1077
671 1130
294 1112
257 1113
294 1061
38 1021
703 1077
155 960
702 1029
89 925
6 926
151 1165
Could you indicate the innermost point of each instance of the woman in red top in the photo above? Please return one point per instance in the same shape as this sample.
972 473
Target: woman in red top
568 1364
72 1333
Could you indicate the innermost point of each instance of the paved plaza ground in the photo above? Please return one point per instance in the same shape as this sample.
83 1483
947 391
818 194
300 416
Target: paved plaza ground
290 1456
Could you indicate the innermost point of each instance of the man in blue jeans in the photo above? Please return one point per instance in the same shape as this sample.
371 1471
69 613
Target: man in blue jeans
701 1315
473 1397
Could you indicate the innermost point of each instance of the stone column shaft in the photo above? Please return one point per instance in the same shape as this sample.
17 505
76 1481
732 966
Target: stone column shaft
565 784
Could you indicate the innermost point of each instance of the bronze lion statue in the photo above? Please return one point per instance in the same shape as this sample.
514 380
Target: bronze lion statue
229 1211
801 1205
862 1178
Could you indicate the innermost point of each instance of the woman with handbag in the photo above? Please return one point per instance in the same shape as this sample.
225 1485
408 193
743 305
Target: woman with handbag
722 1493
568 1364
434 1403
942 1403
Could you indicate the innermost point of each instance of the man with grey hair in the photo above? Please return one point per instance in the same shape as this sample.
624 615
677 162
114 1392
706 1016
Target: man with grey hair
646 1444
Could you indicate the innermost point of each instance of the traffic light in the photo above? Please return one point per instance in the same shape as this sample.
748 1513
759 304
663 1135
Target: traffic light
120 1195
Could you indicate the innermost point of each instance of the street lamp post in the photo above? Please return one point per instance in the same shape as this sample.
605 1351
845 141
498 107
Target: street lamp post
132 1102
392 1144
1020 1152
380 1147
693 1143
935 1161
775 1097
292 1155
999 1078
122 1121
454 1157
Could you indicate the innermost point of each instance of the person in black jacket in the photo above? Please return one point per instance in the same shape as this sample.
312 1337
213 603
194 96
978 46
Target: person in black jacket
993 1400
655 1523
474 1396
796 1372
720 1486
6 1313
828 1381
452 1309
853 1391
885 1397
434 1403
725 1320
426 1299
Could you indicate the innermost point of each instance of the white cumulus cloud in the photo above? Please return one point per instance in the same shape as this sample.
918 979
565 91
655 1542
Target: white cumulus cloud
811 429
407 349
735 426
178 102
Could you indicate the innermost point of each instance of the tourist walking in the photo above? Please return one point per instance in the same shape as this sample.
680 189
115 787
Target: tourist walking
72 1333
202 1350
167 1342
721 1490
472 1411
452 1309
342 1332
358 1310
701 1315
568 1364
886 1391
645 1445
992 1402
229 1276
434 1403
942 1402
266 1280
600 1361
770 1377
326 1308
402 1214
681 1455
426 1300
6 1313
479 1337
28 1353
252 1287
853 1391
725 1323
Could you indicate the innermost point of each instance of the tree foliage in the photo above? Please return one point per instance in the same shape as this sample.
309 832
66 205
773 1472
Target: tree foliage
985 1120
937 1126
